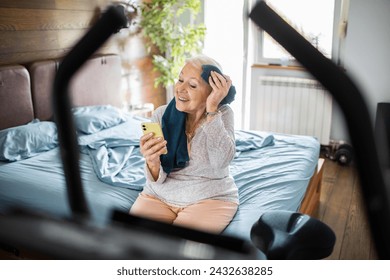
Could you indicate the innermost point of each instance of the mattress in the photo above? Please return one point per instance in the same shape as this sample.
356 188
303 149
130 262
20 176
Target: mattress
272 177
38 184
272 172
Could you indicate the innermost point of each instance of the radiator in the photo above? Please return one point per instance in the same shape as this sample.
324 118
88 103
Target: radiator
292 106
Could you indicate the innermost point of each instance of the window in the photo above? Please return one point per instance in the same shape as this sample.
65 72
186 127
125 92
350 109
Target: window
224 42
313 19
233 40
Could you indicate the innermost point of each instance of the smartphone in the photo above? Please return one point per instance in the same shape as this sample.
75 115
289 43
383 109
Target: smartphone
155 128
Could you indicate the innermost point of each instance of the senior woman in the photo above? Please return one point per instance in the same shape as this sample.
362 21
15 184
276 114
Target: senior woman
190 186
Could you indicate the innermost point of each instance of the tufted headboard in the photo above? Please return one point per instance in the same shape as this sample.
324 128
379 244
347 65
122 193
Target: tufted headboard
16 106
26 91
98 82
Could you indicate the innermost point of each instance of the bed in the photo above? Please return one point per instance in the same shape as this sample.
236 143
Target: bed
272 171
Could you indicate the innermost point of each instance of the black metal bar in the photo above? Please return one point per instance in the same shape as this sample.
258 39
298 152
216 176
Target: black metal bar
355 112
110 22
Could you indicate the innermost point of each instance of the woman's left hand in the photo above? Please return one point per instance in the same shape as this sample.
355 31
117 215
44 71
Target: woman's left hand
220 85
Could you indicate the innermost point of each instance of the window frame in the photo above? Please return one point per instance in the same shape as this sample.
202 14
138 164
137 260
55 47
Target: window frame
337 40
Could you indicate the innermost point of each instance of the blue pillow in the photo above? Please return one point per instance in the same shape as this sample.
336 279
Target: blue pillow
28 140
91 119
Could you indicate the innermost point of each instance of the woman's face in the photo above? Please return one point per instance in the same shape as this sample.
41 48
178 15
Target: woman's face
191 91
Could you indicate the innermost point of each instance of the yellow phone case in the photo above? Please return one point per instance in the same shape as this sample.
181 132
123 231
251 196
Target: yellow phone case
155 128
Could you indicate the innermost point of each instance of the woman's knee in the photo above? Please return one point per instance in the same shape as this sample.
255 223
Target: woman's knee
147 206
210 216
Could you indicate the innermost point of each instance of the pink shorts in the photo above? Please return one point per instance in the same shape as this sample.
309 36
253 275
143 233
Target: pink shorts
207 215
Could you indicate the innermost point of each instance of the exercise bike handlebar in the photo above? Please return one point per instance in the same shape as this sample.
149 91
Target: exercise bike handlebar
110 22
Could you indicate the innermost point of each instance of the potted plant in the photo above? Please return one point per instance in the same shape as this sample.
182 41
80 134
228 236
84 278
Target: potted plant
170 40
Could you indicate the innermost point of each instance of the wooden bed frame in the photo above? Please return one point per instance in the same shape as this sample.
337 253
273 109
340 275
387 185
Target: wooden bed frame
25 94
311 200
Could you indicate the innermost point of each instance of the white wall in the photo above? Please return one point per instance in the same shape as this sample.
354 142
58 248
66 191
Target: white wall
367 56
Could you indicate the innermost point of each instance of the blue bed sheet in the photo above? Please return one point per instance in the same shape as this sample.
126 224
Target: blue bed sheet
38 184
115 154
273 177
271 171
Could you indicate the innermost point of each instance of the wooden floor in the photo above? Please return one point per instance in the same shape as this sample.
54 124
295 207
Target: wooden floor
342 209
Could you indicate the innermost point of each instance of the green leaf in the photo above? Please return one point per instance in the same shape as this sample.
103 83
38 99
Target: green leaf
175 41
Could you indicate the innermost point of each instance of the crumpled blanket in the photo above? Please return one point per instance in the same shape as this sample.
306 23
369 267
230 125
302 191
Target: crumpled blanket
250 140
115 154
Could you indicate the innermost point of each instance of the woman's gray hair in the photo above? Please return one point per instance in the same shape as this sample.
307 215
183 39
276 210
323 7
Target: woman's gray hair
203 60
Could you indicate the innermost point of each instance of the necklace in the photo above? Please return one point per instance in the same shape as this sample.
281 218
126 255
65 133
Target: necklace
191 132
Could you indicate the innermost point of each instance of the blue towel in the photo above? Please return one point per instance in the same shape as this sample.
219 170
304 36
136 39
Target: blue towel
207 68
173 125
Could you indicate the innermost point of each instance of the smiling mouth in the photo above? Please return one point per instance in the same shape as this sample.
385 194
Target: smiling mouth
182 99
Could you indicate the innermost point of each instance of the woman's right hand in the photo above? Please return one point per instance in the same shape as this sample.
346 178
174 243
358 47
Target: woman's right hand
151 149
